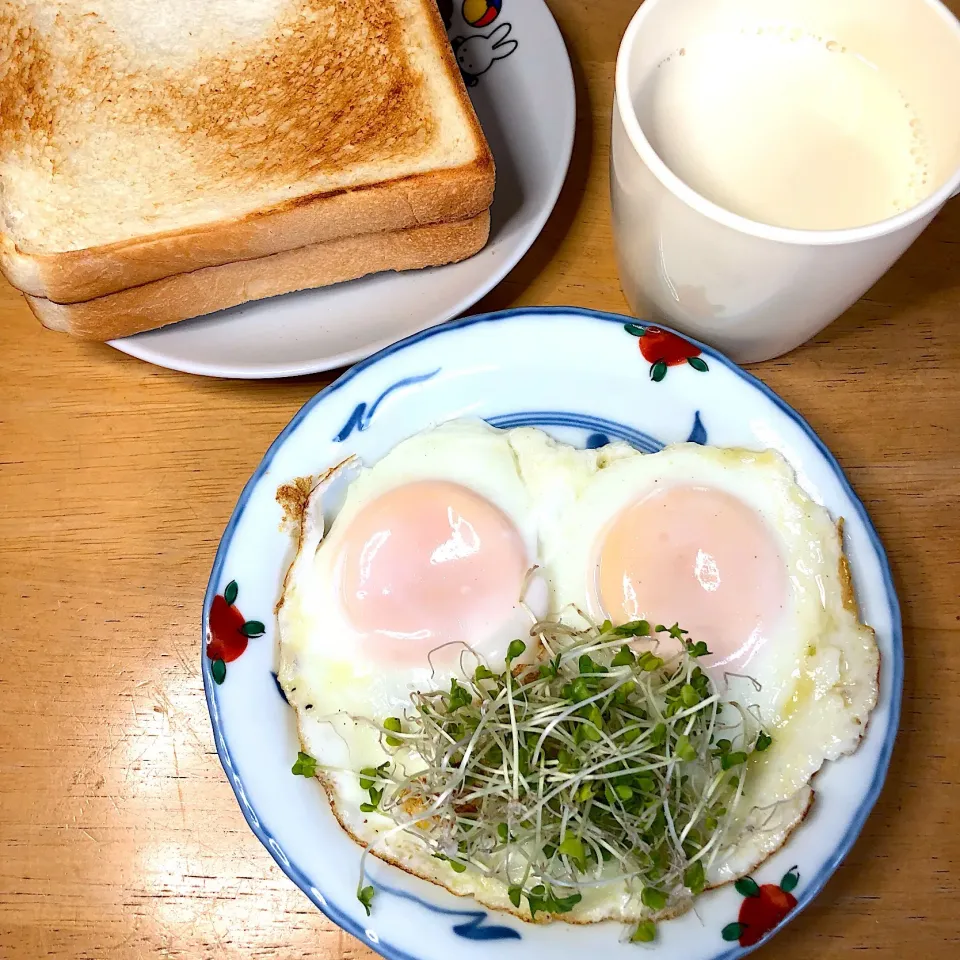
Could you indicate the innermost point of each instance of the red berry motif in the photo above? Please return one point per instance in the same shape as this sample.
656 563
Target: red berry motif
663 349
762 909
228 632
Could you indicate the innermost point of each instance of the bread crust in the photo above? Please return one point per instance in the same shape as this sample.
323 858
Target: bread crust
204 291
440 195
75 276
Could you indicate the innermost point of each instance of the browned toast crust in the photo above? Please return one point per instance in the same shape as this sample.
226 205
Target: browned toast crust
214 288
81 275
299 106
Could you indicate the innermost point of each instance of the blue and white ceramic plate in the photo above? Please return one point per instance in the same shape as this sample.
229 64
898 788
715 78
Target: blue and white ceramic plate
586 378
518 75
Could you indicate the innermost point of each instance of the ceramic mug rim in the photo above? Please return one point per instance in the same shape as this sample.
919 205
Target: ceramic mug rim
623 107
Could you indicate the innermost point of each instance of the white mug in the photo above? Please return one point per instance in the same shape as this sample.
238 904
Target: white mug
756 291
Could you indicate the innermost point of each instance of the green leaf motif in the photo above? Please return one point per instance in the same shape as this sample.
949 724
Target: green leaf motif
634 330
790 880
219 670
253 628
747 887
658 371
732 931
230 593
698 364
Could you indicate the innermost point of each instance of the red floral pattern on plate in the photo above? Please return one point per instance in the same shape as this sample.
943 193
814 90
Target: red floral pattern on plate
663 349
228 631
763 907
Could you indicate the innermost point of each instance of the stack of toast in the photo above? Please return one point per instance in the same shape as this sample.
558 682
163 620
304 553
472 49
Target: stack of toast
162 161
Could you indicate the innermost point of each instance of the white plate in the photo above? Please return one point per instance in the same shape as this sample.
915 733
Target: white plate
526 105
580 376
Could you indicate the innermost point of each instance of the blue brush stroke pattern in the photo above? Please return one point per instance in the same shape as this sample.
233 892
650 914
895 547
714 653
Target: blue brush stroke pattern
362 415
698 433
476 930
276 680
599 431
579 421
474 926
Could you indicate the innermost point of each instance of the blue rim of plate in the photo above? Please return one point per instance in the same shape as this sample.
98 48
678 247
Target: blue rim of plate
334 913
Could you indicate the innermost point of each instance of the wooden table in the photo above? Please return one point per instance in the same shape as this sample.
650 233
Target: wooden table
121 837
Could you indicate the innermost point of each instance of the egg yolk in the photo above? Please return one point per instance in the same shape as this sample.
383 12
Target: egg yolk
430 563
697 557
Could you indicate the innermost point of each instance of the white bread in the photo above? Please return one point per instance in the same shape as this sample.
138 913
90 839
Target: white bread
216 288
140 140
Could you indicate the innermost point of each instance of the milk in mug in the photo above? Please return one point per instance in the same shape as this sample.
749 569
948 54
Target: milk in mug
786 127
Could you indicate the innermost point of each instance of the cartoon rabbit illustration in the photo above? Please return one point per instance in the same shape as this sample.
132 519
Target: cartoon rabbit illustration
476 54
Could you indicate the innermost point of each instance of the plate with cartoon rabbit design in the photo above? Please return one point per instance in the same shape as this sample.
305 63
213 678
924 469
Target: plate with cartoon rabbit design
516 69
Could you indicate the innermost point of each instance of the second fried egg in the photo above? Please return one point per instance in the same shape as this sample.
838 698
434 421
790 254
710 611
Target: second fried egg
725 543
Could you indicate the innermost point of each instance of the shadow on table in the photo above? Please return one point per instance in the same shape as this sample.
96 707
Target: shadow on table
928 268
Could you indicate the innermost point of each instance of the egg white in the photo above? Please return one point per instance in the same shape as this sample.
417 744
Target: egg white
814 682
818 676
326 672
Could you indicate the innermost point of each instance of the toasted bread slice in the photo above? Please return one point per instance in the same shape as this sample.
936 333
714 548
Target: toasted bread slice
141 140
216 288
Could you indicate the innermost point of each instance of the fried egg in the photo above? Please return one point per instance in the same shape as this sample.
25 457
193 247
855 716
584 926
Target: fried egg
426 570
726 544
423 573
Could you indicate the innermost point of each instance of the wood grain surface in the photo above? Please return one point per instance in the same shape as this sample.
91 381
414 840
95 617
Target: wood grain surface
120 835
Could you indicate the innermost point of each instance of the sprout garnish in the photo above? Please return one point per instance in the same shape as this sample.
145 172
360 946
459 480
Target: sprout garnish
600 763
